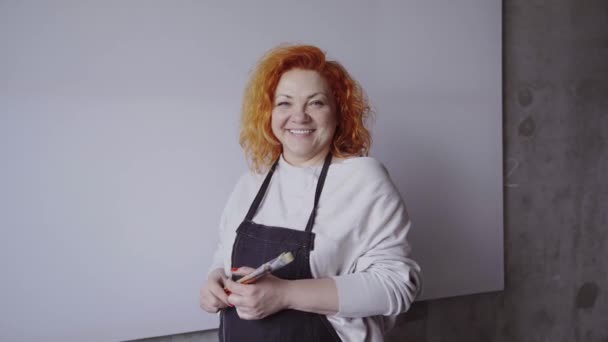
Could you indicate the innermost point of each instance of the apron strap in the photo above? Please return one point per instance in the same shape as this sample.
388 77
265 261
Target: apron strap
320 183
258 198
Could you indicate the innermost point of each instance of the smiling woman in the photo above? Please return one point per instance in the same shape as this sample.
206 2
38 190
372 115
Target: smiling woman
296 73
304 117
316 194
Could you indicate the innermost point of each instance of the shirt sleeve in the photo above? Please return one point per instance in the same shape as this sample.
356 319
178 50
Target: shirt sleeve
218 254
385 280
228 215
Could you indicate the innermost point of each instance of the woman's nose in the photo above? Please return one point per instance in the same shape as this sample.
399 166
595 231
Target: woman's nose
299 115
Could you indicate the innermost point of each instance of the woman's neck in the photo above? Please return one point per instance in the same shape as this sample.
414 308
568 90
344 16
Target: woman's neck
316 160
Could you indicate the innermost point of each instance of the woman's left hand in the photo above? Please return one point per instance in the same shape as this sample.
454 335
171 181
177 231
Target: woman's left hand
257 300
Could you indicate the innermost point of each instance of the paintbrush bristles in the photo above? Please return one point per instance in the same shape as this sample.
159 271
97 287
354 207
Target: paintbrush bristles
286 258
271 266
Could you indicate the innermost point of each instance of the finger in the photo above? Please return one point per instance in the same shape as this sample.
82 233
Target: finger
234 287
245 314
242 271
238 301
210 304
215 295
242 313
218 279
220 294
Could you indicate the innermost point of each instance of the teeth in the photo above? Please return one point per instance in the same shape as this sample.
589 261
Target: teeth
301 131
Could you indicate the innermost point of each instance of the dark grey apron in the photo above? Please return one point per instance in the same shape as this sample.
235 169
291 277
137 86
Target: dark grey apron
256 244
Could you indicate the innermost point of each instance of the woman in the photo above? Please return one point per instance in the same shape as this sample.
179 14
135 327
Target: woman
312 192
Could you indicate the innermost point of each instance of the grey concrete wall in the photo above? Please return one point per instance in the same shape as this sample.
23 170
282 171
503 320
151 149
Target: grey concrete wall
556 189
556 199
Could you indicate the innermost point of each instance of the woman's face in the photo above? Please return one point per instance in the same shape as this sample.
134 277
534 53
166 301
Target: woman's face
304 117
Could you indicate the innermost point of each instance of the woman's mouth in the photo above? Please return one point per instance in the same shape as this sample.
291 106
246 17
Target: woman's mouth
300 131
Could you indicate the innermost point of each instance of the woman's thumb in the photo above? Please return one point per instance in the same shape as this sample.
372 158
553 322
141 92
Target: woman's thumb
242 271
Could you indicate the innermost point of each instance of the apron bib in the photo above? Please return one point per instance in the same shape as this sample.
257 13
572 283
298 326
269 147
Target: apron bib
254 245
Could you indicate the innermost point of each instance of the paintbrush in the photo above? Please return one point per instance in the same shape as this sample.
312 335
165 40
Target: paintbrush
281 261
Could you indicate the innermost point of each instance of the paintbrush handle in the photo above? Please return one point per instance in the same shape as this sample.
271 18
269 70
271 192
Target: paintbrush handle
281 261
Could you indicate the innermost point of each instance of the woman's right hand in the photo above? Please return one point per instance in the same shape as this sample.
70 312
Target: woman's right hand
213 298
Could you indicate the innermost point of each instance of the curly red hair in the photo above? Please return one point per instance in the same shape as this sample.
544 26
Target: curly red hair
261 147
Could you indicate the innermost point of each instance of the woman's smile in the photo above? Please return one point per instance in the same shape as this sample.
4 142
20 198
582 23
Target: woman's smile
301 132
304 117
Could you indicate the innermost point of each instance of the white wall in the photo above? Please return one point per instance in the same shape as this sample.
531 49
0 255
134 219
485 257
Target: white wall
118 147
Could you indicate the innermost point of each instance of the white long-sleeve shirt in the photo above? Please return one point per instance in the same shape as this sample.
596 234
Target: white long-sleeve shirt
361 227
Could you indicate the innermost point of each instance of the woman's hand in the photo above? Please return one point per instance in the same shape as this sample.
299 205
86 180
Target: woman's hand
213 298
258 300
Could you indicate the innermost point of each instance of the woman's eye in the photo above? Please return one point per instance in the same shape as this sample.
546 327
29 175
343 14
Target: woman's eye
317 103
282 103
